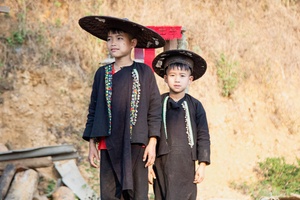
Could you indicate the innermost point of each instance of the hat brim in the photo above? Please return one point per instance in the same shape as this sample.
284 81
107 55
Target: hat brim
199 68
100 25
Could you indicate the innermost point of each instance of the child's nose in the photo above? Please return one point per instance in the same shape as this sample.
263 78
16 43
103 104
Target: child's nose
112 41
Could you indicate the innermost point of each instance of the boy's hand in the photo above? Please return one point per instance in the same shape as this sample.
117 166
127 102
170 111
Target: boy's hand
151 174
93 154
150 154
200 173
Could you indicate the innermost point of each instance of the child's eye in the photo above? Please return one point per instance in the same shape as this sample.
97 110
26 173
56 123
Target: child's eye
108 39
120 38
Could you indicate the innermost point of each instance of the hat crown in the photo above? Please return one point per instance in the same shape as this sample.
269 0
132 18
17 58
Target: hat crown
197 63
179 59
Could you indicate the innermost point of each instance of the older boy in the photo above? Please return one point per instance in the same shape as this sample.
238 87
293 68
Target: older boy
184 131
125 110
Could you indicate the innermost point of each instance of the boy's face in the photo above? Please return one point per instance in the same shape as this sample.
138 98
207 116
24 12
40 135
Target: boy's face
178 79
120 44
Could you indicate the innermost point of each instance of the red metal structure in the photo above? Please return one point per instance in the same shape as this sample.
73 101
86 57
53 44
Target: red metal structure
170 33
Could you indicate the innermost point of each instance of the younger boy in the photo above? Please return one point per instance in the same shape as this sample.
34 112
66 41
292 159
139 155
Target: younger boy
184 132
125 110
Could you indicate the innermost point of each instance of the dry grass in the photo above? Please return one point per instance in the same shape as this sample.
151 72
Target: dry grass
262 115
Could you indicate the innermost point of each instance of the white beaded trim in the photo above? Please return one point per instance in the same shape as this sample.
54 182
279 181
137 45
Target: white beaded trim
189 130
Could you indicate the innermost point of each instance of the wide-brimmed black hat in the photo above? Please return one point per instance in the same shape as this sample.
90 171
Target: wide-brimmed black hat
100 25
194 61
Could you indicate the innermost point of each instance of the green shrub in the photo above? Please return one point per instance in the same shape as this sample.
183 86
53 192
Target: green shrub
17 38
275 178
50 187
227 75
283 177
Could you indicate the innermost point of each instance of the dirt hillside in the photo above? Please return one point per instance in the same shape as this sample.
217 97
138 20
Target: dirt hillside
47 63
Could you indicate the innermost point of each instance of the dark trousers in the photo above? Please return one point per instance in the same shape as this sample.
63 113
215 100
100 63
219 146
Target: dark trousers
111 188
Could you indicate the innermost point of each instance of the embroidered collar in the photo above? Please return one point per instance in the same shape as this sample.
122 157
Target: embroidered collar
135 96
189 130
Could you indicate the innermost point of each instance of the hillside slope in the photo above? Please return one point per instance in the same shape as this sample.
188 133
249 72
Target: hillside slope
47 64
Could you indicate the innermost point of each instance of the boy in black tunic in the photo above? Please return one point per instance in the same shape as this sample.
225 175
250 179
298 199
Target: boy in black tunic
184 132
125 110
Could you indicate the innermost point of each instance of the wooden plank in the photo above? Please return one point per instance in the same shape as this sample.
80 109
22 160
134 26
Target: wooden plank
65 156
29 162
72 178
6 179
36 152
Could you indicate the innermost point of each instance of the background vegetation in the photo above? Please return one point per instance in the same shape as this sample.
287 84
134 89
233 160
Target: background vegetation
250 90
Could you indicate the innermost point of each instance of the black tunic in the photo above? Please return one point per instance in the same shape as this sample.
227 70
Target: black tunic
118 140
118 144
175 166
149 110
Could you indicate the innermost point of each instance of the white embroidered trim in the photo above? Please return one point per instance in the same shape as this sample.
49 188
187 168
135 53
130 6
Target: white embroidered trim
164 115
135 99
189 130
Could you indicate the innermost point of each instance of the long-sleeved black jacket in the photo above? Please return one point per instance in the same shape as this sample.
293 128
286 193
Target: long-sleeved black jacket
149 109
